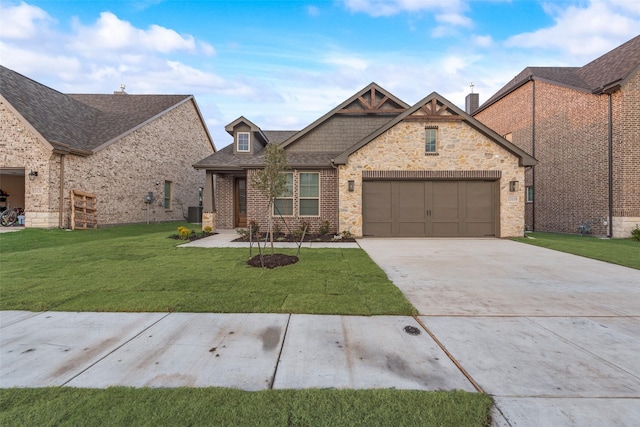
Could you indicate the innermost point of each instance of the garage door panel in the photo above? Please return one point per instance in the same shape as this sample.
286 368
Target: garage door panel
429 208
446 229
377 201
479 229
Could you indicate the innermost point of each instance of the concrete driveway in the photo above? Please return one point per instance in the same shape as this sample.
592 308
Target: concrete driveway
555 338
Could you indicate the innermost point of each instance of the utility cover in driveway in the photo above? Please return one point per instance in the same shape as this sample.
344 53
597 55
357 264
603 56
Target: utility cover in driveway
429 208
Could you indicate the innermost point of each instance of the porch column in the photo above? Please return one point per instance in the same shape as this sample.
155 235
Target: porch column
209 202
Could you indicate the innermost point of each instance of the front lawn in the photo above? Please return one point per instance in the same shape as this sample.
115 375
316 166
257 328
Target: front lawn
616 251
140 269
226 407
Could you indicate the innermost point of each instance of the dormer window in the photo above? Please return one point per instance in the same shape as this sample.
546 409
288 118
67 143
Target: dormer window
243 142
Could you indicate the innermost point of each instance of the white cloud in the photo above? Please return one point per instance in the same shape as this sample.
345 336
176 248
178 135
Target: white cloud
482 41
347 61
113 34
23 21
394 7
454 19
313 10
584 31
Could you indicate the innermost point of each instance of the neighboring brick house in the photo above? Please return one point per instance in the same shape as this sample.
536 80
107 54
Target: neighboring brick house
374 166
582 124
119 147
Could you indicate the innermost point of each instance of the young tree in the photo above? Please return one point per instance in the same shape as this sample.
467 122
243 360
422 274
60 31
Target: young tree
271 182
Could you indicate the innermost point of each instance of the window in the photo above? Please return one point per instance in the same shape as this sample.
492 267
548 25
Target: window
431 140
243 142
529 194
168 187
309 194
283 205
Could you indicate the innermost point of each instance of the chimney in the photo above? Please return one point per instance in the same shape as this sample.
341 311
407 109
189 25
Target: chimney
472 101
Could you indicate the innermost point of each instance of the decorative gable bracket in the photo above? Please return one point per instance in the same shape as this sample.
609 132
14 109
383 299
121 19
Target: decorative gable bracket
374 102
434 111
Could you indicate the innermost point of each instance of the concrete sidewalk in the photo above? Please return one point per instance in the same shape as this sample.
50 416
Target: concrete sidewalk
246 351
224 239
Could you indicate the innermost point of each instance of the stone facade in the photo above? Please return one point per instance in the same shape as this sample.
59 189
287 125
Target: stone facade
461 148
567 131
121 174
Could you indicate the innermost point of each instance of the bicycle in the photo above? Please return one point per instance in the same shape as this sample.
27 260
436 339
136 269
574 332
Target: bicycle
9 216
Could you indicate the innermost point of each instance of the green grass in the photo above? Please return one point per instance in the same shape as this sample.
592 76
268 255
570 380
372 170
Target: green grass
226 407
139 269
617 251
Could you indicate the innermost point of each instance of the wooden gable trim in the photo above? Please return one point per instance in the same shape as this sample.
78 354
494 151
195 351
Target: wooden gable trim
372 106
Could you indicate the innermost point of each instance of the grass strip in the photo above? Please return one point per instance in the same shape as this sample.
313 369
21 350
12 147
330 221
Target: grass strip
624 252
139 269
119 406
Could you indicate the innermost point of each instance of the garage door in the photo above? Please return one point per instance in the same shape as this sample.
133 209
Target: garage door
429 208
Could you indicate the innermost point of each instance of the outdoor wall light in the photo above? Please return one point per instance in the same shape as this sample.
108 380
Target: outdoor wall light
32 175
352 185
513 186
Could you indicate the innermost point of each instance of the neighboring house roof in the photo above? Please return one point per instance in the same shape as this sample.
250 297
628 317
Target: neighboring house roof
451 110
82 123
600 75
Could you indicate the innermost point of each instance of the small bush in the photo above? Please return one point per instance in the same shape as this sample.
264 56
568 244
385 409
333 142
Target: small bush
346 234
635 233
208 229
184 232
324 228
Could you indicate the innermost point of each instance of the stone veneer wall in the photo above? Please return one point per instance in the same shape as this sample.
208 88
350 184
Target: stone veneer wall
21 147
120 175
460 147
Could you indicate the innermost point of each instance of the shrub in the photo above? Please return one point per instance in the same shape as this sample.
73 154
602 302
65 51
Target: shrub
208 229
324 228
346 234
635 233
184 232
254 227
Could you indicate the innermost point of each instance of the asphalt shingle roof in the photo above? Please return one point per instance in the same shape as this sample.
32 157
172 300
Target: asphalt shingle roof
612 67
80 122
224 159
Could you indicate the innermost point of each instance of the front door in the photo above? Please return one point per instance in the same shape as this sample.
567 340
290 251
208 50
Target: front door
240 199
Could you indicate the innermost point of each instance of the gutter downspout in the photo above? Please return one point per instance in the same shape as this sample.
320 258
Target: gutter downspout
610 141
61 202
533 152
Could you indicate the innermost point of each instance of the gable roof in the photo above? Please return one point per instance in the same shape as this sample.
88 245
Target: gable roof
440 108
82 123
379 102
603 74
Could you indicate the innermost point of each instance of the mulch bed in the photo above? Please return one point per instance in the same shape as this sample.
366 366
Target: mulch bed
292 239
272 261
192 237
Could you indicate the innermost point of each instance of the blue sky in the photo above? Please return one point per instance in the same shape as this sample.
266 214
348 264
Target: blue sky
284 63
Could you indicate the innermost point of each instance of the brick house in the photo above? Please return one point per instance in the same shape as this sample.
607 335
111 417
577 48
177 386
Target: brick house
118 147
582 124
375 166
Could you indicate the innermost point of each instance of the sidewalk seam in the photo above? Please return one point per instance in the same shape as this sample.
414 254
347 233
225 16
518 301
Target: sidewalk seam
450 356
284 337
114 350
